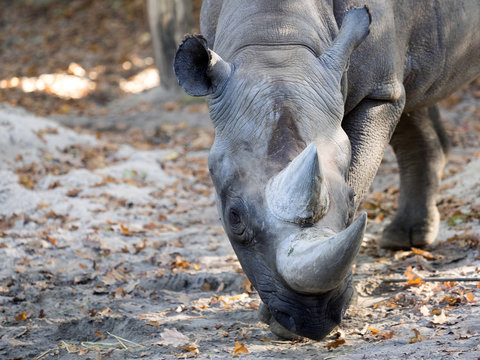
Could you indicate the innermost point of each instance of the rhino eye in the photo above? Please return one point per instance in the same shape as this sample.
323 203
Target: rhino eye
236 216
236 222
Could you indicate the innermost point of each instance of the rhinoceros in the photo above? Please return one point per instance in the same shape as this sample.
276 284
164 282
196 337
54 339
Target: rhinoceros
305 96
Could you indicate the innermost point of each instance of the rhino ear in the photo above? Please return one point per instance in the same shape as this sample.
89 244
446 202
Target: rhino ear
199 70
354 29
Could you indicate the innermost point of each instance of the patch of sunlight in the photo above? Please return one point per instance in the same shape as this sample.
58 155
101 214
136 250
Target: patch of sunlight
144 80
74 86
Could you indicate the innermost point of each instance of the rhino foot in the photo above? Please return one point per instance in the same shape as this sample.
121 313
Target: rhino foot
277 329
410 231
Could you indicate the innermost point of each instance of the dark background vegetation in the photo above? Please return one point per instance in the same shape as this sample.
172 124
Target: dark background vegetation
109 39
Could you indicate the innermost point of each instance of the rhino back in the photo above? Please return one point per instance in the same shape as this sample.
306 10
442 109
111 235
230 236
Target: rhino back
431 48
443 50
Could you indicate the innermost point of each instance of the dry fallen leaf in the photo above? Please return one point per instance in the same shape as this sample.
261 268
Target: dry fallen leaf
181 308
21 317
155 323
435 311
74 192
237 297
240 348
53 215
141 246
27 182
120 292
417 338
99 334
254 306
425 254
388 334
424 310
449 284
191 348
171 156
125 231
413 279
247 285
52 240
174 337
439 319
452 301
470 297
384 334
180 262
335 343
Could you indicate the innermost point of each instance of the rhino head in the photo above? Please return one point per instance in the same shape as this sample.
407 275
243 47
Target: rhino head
279 164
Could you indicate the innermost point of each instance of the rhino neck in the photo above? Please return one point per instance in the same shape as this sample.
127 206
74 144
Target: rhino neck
274 22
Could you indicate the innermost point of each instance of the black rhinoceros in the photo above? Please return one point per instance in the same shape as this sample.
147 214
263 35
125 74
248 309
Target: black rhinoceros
304 96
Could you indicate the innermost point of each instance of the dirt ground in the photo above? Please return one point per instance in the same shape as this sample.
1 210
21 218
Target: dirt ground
111 248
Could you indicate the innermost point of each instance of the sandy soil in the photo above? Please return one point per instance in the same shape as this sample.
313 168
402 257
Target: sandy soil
110 248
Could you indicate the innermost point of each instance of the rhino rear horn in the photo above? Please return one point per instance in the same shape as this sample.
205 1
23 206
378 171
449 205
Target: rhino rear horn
354 29
298 193
199 70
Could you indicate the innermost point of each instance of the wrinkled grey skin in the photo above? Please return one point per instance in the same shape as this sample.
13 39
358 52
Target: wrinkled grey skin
287 80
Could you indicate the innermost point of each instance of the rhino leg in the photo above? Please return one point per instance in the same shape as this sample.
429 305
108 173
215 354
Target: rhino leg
421 147
370 127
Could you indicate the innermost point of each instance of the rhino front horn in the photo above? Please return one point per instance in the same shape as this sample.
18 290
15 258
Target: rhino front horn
315 261
298 193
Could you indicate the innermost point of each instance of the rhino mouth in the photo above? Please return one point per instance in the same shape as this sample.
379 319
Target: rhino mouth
316 282
311 316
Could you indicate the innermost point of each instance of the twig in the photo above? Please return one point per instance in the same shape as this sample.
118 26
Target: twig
65 346
120 341
125 340
20 334
281 341
92 344
46 353
432 279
